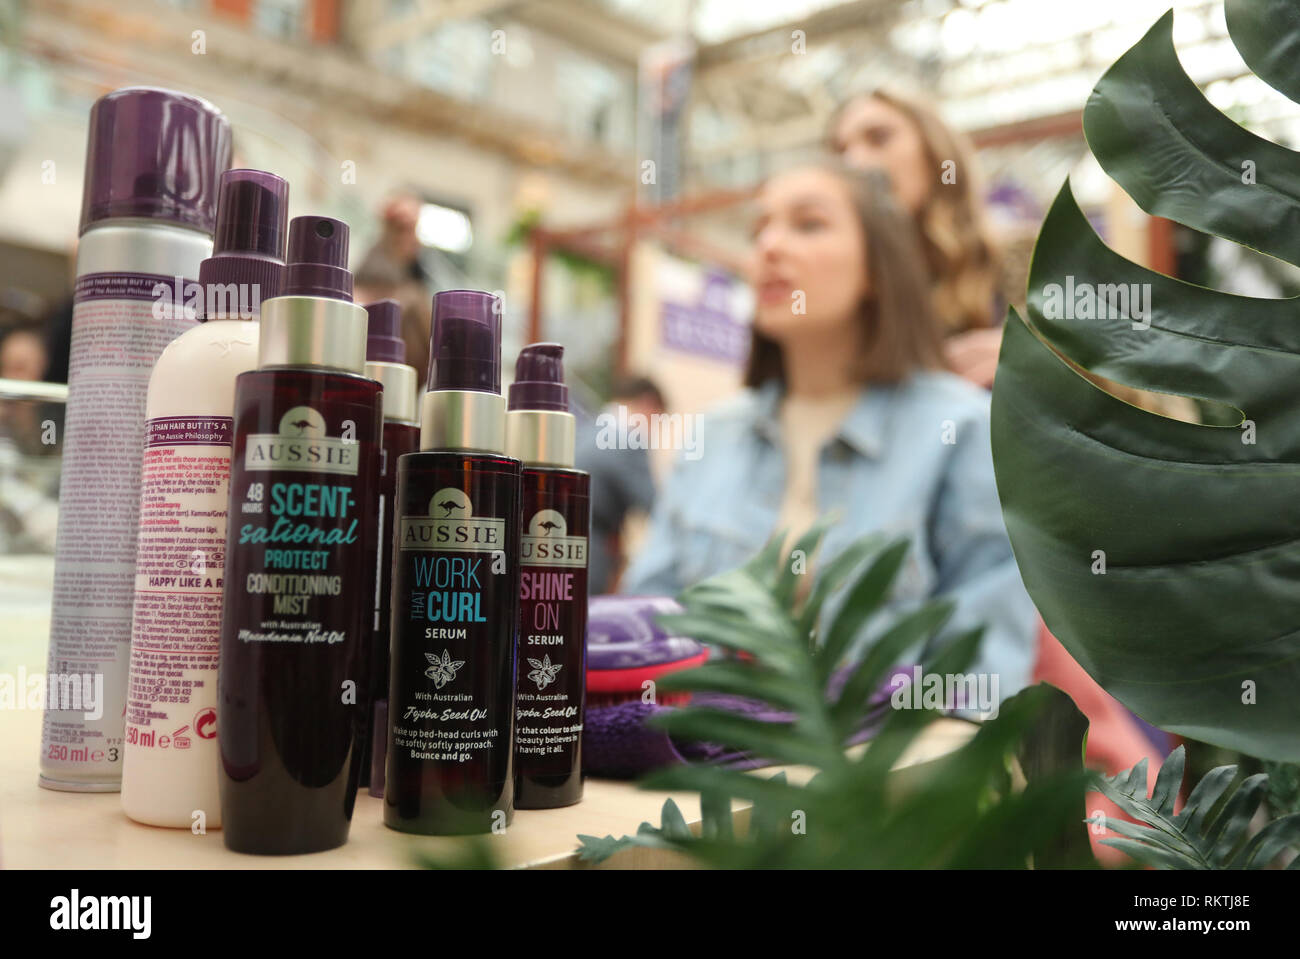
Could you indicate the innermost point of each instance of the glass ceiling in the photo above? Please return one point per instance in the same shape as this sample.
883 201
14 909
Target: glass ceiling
991 61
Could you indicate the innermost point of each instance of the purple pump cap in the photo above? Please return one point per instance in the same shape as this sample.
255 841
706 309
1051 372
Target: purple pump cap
384 343
318 259
154 154
248 246
539 379
465 348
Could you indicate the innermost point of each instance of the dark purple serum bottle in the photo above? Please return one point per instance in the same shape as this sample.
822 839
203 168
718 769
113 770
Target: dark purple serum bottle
300 561
550 688
386 362
455 590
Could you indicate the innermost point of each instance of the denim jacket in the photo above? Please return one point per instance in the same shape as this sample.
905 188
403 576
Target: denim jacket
909 459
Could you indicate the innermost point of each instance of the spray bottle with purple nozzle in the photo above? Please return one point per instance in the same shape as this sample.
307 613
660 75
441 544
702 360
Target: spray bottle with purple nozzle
551 686
455 589
300 561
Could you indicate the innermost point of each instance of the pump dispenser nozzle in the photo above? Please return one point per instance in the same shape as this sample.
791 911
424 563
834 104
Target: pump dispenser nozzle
386 362
539 379
248 245
465 345
384 342
464 409
313 322
540 430
318 258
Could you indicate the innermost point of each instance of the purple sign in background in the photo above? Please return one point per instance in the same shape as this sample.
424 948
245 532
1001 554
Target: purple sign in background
706 327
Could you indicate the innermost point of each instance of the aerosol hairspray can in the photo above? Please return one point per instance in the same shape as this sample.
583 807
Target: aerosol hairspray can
152 165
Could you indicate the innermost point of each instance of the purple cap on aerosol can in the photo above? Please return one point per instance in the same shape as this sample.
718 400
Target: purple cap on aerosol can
318 259
465 346
539 379
154 154
384 343
248 244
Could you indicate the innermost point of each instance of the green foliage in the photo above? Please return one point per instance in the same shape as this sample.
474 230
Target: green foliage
1283 787
961 812
1213 829
472 852
1164 554
598 272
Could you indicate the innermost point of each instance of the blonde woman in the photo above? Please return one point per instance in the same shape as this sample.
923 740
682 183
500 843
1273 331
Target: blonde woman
933 174
935 177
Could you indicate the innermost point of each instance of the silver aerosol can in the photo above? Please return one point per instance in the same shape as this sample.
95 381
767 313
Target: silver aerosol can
152 165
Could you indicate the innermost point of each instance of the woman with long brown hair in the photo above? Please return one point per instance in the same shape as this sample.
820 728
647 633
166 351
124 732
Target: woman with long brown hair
932 171
934 176
848 410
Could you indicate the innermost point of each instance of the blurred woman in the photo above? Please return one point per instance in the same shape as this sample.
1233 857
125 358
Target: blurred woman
933 173
848 410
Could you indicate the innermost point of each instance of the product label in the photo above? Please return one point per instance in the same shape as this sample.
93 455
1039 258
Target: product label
299 577
552 608
115 341
546 542
454 627
300 538
450 527
301 444
444 723
180 563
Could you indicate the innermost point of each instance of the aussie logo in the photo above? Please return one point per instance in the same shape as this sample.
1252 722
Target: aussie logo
449 524
546 542
303 444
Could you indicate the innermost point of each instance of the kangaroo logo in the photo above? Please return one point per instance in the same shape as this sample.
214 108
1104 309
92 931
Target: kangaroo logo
450 502
547 522
302 421
442 670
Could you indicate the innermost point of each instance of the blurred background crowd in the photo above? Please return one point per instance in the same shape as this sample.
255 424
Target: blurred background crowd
597 161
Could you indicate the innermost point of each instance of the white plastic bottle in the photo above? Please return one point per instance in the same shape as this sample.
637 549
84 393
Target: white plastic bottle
170 772
152 164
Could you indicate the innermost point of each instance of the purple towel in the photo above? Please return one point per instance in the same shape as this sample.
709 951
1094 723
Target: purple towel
618 744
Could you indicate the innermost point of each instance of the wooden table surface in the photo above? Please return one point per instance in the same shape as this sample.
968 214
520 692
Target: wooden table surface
41 828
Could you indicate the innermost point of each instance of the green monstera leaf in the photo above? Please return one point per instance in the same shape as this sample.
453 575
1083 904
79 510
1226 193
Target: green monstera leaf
1165 555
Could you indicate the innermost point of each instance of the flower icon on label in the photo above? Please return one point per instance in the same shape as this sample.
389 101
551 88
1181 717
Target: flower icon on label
442 671
544 671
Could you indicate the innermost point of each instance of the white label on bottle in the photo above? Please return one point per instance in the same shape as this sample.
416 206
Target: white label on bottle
115 341
176 632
